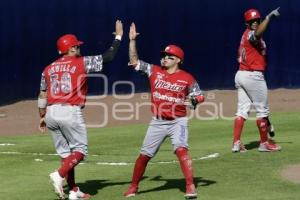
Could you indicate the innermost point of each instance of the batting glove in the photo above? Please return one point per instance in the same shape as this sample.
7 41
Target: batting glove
274 13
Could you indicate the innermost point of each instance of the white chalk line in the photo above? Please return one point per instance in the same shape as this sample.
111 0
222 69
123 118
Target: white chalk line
7 144
25 153
210 156
35 154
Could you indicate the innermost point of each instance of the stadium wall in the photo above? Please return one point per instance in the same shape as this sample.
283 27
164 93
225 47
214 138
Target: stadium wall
209 31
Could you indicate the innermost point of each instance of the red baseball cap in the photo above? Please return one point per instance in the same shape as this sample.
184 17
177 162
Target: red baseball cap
65 42
174 50
251 14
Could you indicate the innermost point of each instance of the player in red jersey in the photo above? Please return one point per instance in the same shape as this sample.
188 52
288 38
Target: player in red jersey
250 81
62 96
171 88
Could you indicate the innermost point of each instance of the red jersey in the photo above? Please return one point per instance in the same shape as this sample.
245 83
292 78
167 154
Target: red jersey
66 79
252 52
169 91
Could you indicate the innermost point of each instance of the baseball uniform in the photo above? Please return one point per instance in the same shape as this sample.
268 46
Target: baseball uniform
250 82
65 83
168 94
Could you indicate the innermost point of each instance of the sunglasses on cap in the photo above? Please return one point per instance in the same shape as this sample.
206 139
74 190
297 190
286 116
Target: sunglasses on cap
168 56
254 20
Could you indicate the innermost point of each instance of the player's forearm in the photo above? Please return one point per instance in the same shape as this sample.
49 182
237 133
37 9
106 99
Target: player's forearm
133 56
42 103
109 55
262 27
42 112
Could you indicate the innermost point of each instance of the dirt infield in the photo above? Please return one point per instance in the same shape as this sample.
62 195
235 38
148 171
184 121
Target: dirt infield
291 173
22 117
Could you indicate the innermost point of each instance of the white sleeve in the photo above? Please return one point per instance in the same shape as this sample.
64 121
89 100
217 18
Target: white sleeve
43 86
144 67
93 63
194 89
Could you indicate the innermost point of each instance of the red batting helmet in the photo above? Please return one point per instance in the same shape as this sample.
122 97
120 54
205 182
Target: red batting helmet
251 14
65 42
174 50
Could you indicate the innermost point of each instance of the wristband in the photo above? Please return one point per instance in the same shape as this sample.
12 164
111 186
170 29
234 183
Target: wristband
118 37
42 103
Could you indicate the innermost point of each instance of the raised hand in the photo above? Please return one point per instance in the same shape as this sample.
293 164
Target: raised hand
132 32
274 13
119 28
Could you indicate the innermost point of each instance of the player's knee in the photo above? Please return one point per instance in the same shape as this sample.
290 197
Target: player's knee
263 114
143 158
244 114
243 110
240 118
81 150
262 111
147 153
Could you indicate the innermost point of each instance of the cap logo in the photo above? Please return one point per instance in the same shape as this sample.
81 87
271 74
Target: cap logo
65 41
253 14
167 48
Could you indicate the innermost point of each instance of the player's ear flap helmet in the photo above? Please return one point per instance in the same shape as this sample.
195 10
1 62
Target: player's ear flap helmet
174 50
251 14
65 42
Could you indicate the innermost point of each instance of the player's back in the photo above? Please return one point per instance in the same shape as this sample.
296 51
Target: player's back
66 81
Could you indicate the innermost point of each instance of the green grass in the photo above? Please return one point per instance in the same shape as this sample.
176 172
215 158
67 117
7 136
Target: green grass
248 176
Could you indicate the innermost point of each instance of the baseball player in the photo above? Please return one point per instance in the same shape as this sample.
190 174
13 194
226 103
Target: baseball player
62 96
170 87
250 81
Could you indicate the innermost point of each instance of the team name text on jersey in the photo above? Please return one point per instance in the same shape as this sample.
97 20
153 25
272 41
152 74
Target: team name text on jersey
162 84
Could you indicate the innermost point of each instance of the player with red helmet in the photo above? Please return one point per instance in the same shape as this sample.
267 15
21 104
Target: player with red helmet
171 89
67 41
62 96
250 81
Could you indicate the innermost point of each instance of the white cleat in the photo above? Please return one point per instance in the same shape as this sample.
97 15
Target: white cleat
78 195
131 192
191 192
268 147
238 147
57 182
